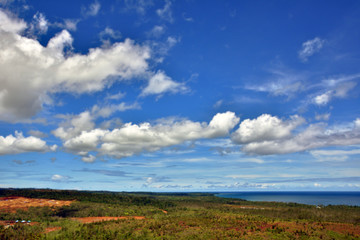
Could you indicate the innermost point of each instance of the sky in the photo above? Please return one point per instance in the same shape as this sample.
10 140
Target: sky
135 95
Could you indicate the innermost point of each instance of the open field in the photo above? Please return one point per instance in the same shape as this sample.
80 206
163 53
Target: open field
14 203
107 215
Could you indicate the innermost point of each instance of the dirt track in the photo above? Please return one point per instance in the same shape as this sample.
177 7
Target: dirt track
11 204
99 219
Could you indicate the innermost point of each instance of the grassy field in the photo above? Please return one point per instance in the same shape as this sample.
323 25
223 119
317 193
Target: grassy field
170 216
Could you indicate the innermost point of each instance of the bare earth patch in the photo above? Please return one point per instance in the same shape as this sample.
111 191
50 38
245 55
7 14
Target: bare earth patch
99 219
11 204
52 229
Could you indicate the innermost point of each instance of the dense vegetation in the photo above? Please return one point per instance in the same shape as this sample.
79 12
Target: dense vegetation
176 216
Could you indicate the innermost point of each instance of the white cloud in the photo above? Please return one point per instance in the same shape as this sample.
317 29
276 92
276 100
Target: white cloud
238 185
218 103
40 23
30 72
161 49
59 178
69 24
165 13
324 117
20 144
186 18
106 111
84 122
245 176
73 127
195 160
89 159
338 90
265 127
109 33
323 99
92 10
37 133
315 136
161 83
334 155
10 23
116 96
357 123
140 6
132 139
310 47
282 82
157 31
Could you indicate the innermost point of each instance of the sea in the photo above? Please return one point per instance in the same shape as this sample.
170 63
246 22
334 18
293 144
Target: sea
311 198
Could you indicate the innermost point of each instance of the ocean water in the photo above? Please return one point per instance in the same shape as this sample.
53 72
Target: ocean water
312 198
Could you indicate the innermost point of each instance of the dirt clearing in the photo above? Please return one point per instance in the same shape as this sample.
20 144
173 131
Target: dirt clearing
11 204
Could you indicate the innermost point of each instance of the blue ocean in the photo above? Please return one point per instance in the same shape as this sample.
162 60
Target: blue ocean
312 198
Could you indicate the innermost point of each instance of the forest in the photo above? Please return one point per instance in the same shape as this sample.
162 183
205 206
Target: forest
70 214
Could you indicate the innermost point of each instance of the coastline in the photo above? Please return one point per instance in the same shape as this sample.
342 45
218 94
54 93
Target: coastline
301 197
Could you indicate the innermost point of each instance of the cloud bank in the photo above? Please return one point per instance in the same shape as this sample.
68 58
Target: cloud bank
81 137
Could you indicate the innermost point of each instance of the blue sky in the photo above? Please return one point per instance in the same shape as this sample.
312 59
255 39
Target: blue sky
180 95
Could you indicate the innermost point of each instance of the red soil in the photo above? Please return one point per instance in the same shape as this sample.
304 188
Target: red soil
52 229
99 219
11 204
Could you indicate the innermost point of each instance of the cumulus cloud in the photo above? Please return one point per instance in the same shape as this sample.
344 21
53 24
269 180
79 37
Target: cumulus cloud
19 144
88 158
69 129
161 83
310 47
130 139
30 72
265 127
10 23
314 136
85 121
323 99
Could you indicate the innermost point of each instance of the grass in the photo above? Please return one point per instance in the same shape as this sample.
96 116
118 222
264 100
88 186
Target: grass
189 216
